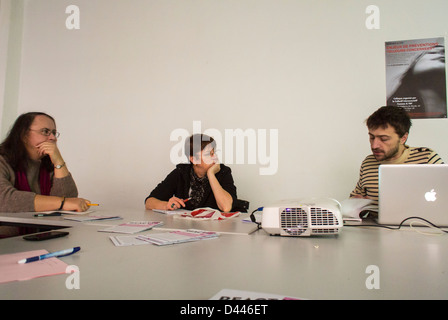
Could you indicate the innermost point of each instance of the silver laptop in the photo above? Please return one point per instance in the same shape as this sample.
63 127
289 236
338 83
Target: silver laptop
413 190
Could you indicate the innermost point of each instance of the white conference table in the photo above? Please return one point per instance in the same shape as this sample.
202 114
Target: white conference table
411 265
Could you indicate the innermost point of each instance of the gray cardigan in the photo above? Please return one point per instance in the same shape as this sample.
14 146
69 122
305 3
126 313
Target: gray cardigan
13 200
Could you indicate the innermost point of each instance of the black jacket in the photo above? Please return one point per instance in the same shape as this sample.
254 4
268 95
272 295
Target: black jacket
177 184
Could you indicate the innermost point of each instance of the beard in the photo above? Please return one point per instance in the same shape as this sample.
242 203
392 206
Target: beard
381 155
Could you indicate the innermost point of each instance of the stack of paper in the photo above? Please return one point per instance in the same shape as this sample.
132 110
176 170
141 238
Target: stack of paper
124 241
11 270
229 294
91 218
177 211
133 227
208 214
90 210
178 236
352 207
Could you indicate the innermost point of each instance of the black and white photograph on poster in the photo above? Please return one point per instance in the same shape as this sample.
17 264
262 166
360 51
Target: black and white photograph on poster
416 77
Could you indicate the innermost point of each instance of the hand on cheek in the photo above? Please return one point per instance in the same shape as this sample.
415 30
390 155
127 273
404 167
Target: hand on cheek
50 149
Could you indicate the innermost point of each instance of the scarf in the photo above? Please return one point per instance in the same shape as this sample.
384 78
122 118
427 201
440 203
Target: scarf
198 189
44 181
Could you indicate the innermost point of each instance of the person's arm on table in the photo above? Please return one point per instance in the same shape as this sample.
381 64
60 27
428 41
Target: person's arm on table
53 202
48 203
223 199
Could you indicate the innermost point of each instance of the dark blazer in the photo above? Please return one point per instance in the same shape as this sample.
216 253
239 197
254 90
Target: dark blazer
177 184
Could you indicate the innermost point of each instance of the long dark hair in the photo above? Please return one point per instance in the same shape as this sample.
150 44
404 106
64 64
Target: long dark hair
13 149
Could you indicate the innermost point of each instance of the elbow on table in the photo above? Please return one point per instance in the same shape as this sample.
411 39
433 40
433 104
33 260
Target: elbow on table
148 204
226 207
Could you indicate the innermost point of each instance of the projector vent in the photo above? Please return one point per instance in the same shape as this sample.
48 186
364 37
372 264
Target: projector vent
322 217
294 221
325 231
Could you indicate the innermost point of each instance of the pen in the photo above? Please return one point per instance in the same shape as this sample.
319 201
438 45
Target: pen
52 214
61 253
93 204
173 204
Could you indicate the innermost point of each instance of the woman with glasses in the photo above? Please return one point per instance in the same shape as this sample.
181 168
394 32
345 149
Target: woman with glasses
33 174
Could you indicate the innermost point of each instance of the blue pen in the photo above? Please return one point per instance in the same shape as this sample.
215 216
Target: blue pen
61 253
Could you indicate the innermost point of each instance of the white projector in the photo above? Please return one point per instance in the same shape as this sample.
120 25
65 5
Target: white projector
308 217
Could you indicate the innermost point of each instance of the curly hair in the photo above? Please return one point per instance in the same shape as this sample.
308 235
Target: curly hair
394 116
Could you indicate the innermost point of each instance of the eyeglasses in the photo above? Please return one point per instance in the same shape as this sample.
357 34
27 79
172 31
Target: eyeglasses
47 132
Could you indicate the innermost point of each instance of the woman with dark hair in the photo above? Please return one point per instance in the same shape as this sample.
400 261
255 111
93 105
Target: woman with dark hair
33 174
204 181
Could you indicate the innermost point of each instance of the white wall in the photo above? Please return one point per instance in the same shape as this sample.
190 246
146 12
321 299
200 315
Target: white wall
11 30
137 70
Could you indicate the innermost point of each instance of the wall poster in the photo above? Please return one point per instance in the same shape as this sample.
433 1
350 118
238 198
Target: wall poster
415 77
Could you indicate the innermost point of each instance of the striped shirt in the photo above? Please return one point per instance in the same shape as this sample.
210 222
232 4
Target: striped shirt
368 174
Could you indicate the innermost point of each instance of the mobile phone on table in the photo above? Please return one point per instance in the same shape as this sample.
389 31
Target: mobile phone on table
45 235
